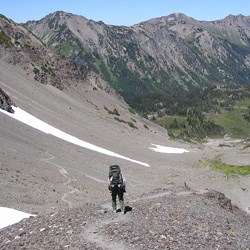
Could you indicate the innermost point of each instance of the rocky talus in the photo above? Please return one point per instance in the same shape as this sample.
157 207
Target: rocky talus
6 102
178 218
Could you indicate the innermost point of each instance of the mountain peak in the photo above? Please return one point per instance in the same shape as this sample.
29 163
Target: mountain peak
169 18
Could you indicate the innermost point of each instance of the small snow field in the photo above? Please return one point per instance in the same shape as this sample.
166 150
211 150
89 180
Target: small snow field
10 216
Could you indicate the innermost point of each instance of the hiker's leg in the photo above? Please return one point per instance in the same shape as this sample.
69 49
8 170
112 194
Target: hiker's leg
113 205
122 205
120 195
114 194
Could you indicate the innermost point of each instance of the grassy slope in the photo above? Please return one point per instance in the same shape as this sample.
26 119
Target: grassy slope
229 170
233 121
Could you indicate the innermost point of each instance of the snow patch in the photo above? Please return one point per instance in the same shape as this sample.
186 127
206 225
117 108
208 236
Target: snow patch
10 216
34 122
168 150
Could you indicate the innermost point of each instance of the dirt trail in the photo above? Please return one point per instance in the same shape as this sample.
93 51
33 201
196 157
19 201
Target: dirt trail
68 180
92 233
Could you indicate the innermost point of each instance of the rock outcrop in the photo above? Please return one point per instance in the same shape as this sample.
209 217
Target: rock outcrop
5 102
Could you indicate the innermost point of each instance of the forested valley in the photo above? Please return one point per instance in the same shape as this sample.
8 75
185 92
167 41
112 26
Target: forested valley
200 112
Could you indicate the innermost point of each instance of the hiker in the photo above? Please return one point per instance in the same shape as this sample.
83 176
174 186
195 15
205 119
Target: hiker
117 186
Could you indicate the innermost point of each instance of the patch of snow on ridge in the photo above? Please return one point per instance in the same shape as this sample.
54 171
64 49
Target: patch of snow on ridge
10 216
168 150
34 122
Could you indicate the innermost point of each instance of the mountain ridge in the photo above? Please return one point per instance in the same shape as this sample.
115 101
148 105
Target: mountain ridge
166 54
22 48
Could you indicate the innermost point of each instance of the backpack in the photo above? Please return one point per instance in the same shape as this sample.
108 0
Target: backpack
115 173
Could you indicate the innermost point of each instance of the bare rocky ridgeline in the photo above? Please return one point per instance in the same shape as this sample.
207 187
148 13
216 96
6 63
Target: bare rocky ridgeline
179 218
172 50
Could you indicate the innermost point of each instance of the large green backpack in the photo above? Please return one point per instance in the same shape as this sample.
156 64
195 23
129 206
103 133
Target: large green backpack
115 173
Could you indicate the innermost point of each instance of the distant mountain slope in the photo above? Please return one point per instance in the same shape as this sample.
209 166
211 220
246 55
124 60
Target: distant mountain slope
163 54
22 48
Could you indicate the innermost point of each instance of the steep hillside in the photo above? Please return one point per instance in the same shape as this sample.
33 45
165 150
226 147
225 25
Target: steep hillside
163 54
20 47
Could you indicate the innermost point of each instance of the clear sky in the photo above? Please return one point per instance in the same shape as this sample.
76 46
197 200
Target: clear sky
124 12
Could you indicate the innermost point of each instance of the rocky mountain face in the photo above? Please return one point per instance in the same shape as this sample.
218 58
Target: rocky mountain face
163 54
22 48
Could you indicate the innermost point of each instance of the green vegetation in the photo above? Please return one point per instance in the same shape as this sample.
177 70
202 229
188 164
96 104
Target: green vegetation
65 48
131 124
152 89
232 234
229 170
36 70
44 69
212 111
188 108
70 46
47 69
26 45
234 121
193 125
105 71
131 110
114 112
53 24
4 39
247 115
119 120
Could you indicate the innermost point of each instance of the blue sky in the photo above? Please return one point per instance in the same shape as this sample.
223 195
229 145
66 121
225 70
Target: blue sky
124 12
